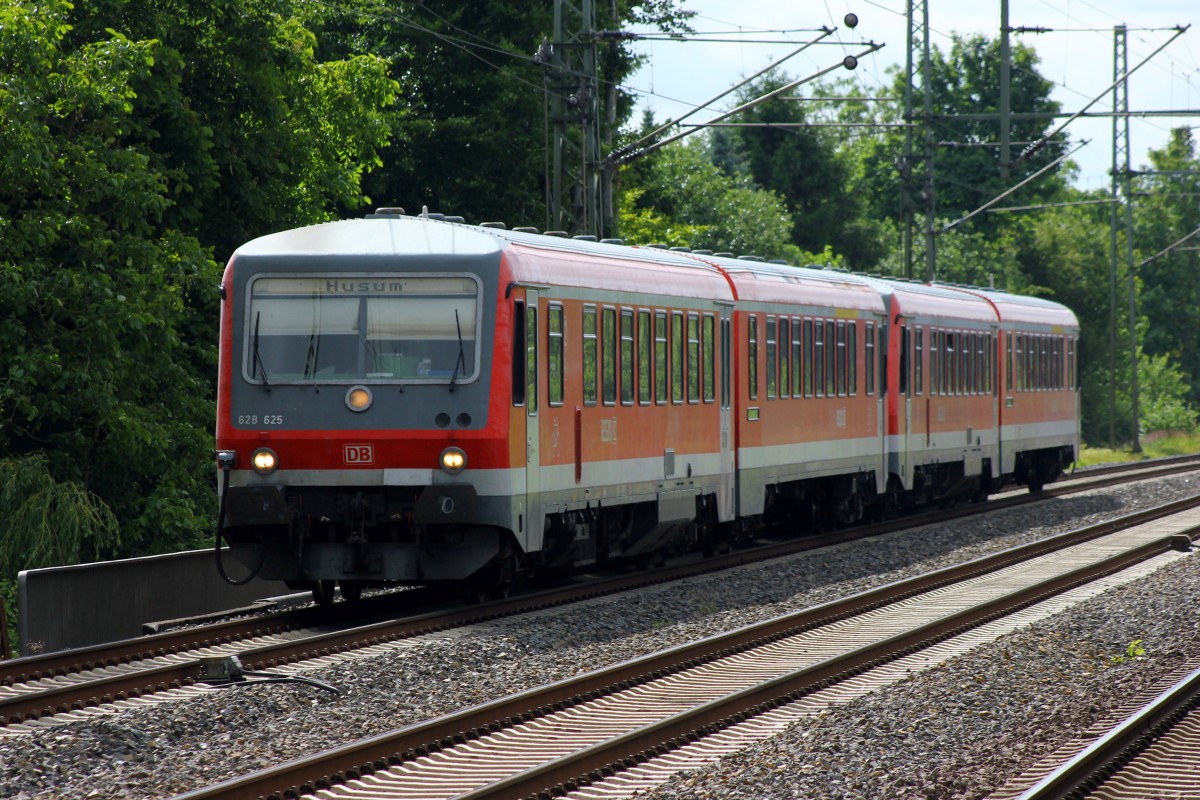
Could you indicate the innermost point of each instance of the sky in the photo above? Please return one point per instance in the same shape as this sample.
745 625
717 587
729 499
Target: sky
1076 55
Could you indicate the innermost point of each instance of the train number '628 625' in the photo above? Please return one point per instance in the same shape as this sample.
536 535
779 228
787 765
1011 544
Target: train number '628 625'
255 419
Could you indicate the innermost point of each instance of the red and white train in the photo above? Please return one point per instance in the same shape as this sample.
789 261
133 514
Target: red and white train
410 400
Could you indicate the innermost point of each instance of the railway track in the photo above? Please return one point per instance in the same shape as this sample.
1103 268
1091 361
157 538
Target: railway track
178 663
591 729
1153 753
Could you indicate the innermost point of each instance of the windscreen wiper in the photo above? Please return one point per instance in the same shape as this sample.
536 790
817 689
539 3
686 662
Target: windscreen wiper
258 364
310 356
462 358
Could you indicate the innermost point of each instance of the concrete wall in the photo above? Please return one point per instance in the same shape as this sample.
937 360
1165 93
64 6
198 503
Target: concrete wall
85 604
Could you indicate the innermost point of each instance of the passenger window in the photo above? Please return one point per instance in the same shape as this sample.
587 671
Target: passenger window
951 364
819 359
693 355
661 383
772 374
797 359
644 343
554 354
808 357
677 357
852 357
531 332
785 381
841 358
752 356
1008 362
626 357
935 348
708 348
608 356
869 358
830 359
919 362
589 355
518 354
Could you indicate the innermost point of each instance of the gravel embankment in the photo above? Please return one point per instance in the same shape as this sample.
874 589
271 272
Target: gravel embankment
955 731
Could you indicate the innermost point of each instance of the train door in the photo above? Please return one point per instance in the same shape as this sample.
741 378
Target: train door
996 365
904 393
725 501
876 357
916 412
533 502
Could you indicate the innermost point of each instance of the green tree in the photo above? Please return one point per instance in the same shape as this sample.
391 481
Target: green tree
1166 212
126 157
684 189
248 128
964 81
967 81
92 369
1164 396
470 137
806 167
1064 255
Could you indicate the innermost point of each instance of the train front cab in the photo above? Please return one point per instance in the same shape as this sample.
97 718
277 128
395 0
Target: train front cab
355 358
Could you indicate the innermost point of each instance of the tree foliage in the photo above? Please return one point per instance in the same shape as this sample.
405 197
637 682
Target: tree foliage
136 138
806 167
469 137
700 206
1170 296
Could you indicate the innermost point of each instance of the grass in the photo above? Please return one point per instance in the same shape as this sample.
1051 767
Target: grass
1154 445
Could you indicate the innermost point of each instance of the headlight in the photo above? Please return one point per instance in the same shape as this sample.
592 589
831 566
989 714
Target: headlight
453 460
264 460
358 398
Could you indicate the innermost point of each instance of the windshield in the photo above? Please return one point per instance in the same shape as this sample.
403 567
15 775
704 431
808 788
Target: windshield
361 328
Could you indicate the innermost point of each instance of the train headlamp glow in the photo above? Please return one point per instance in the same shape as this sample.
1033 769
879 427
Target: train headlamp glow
453 460
359 398
264 460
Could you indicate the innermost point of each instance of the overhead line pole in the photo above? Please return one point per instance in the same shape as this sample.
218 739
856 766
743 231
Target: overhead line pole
1005 94
1114 192
1121 103
930 196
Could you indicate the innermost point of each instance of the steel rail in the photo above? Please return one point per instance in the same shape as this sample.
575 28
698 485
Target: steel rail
553 777
1104 757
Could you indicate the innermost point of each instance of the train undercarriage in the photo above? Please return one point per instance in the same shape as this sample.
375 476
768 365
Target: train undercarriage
317 538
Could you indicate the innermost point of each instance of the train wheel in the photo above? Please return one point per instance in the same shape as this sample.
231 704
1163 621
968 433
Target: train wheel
493 582
322 592
893 500
351 591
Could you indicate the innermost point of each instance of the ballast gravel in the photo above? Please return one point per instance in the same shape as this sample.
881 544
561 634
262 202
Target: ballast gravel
959 730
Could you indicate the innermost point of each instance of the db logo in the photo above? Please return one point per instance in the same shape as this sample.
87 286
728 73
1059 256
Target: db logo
359 453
